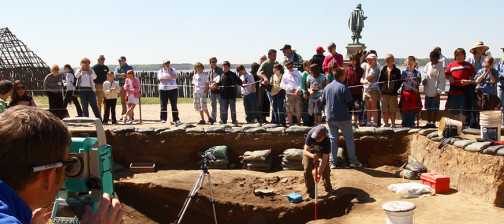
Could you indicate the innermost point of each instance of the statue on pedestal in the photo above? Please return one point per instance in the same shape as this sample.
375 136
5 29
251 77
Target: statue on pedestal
356 23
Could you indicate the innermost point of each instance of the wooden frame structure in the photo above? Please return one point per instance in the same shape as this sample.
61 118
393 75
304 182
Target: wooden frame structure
17 61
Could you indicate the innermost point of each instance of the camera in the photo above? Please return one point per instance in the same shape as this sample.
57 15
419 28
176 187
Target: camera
208 158
87 178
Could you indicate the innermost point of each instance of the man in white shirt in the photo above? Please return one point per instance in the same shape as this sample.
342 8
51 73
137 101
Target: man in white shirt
291 83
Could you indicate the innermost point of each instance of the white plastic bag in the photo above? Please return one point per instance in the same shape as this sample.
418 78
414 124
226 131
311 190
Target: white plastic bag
411 190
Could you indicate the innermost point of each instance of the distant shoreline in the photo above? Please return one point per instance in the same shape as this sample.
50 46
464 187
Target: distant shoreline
188 66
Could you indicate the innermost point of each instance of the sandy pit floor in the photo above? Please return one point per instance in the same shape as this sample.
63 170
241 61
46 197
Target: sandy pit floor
157 198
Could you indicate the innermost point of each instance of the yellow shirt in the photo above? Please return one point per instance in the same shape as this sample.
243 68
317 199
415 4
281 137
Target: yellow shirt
275 81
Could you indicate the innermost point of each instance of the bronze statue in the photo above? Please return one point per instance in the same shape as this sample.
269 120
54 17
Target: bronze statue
356 23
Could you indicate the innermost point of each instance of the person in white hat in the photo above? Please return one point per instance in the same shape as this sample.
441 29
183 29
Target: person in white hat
371 95
478 55
476 59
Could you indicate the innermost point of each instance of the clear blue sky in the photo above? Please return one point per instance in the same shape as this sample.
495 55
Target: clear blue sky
188 31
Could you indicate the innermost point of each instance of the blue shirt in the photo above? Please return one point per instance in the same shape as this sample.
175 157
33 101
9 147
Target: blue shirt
485 86
316 84
119 70
336 97
409 74
12 208
501 71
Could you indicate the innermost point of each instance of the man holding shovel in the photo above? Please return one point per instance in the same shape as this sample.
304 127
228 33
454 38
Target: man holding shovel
317 145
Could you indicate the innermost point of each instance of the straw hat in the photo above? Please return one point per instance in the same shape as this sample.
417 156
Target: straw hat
478 45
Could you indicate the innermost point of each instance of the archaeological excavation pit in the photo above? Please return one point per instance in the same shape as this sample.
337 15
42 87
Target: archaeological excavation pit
157 197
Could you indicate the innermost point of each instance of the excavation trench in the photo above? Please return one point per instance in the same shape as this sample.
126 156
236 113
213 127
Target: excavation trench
160 195
162 204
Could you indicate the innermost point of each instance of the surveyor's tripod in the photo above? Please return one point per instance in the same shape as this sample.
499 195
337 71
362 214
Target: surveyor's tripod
197 186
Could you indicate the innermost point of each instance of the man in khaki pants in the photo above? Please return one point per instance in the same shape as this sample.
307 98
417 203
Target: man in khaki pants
101 71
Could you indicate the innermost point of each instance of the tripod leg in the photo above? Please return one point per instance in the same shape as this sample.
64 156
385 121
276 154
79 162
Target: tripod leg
194 190
212 198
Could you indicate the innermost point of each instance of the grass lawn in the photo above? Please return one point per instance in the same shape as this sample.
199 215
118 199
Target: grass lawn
43 101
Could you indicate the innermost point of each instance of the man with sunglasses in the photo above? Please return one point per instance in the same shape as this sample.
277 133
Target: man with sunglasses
31 178
101 71
120 74
215 94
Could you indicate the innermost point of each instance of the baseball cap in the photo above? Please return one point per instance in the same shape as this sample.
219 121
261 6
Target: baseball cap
320 49
286 46
371 56
101 57
122 58
320 131
165 60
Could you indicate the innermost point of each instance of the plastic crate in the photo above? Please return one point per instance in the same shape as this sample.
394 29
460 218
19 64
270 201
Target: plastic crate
440 183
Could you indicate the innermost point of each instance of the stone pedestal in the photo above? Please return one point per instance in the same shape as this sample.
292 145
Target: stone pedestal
351 49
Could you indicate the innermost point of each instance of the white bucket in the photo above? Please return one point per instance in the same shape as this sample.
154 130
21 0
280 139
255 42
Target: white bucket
399 212
490 122
400 217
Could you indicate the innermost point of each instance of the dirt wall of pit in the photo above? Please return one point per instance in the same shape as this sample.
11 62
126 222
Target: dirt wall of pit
472 173
180 150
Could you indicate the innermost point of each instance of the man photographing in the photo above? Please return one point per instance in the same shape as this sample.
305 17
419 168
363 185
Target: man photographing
31 137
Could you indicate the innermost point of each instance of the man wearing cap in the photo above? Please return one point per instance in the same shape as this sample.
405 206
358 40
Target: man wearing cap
317 146
120 74
290 55
168 90
332 57
101 71
318 58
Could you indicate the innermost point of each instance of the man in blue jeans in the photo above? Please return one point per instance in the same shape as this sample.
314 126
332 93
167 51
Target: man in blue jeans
214 75
248 92
337 97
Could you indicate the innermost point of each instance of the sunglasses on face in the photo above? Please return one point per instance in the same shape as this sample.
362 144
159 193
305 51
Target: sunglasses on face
213 62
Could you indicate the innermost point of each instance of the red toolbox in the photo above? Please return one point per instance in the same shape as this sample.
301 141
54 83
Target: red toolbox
440 183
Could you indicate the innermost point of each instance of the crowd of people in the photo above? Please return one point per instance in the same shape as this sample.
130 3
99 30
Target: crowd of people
290 90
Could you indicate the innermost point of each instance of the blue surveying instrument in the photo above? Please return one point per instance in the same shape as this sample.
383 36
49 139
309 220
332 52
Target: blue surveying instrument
87 178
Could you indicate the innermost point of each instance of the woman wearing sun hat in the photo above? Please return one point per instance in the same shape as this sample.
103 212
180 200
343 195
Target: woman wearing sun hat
477 55
476 59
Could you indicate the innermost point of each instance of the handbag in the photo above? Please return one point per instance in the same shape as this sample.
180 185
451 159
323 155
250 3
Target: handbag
449 131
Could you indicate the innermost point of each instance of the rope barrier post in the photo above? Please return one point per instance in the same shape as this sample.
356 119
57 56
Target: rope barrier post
140 108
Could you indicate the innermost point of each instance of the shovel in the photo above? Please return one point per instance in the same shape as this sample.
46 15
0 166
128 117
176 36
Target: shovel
316 189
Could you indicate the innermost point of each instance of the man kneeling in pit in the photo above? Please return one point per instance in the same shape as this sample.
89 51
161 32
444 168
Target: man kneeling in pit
317 145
